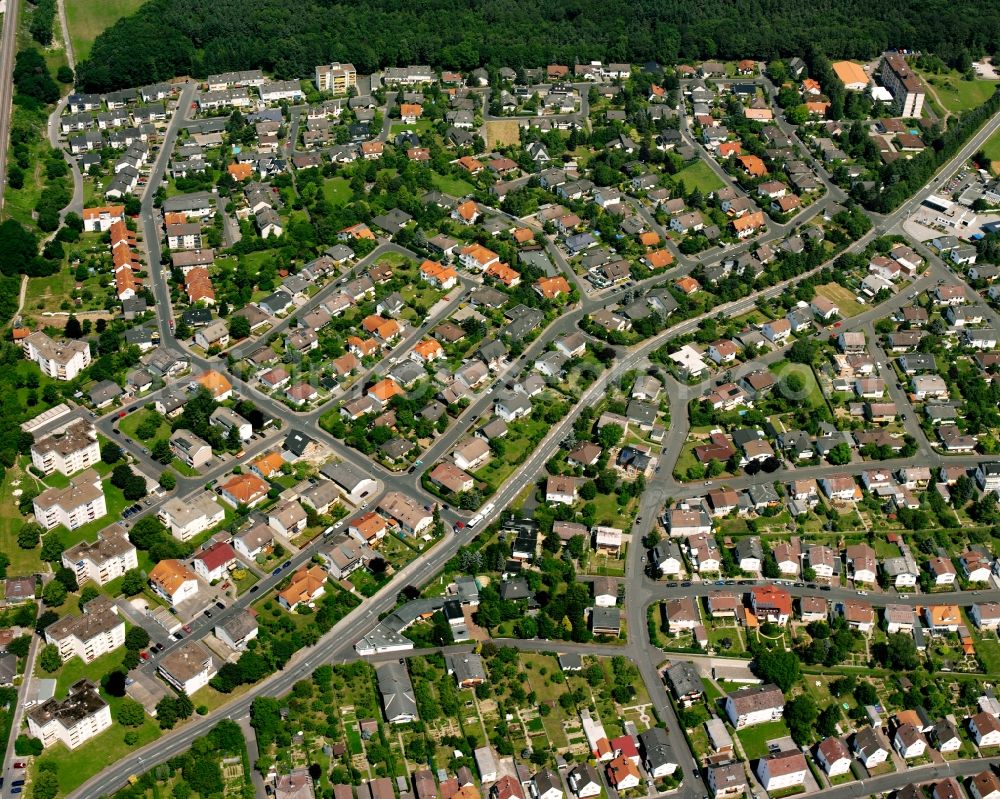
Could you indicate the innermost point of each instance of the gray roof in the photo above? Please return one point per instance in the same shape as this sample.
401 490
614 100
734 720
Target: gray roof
684 679
396 690
467 666
656 744
606 618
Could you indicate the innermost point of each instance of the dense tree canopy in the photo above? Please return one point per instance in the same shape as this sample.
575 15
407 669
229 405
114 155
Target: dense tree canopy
165 38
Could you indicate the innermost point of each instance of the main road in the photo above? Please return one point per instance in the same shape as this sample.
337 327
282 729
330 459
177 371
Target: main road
8 46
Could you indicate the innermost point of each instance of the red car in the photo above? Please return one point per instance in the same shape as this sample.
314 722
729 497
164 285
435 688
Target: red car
144 655
186 628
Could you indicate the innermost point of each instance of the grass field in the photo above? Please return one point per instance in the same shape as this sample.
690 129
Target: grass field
134 421
814 393
699 175
992 152
957 95
755 739
337 191
456 187
501 132
87 18
22 561
843 298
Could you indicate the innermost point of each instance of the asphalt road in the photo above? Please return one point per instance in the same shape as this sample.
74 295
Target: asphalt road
7 50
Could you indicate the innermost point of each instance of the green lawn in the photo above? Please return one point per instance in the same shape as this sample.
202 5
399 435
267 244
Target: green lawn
814 393
79 765
75 669
756 738
992 147
699 175
712 694
131 423
456 187
520 440
988 650
958 95
337 191
87 18
22 561
116 503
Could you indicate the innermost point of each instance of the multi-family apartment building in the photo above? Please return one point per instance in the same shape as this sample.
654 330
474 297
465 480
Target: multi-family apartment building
82 501
72 721
188 517
67 449
95 632
60 360
336 78
107 558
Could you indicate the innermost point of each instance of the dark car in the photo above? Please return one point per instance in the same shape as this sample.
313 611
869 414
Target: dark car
208 613
825 588
220 606
276 571
286 564
253 588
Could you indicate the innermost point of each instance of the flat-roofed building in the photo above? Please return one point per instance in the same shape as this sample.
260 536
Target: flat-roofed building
109 557
81 502
60 360
95 632
72 721
67 450
188 668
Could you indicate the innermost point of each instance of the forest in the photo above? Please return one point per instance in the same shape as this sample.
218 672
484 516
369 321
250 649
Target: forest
165 38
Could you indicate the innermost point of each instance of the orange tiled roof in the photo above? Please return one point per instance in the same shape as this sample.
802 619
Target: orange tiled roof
245 488
268 464
429 349
385 389
240 171
658 259
215 382
504 273
552 287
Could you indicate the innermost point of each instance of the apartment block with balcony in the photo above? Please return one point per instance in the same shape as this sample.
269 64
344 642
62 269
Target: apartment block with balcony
97 631
67 449
104 560
82 501
60 360
72 721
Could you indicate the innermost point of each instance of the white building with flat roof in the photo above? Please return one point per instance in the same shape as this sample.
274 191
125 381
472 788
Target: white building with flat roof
188 517
71 721
60 360
95 632
82 501
104 560
67 449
